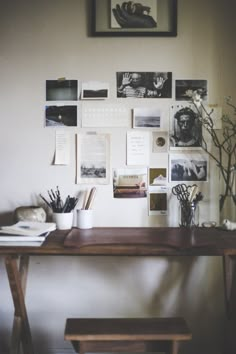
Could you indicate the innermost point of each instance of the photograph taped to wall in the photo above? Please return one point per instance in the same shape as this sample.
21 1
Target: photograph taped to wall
184 89
62 90
145 117
158 201
185 128
157 176
94 90
144 84
189 167
124 13
130 183
61 116
93 158
160 141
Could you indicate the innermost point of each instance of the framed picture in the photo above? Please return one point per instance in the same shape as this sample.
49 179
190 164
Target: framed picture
119 18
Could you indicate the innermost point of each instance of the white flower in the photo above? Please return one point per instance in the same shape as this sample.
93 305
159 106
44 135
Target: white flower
196 97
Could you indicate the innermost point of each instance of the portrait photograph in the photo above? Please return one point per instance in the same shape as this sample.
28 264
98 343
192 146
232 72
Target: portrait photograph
184 89
139 84
146 117
185 128
188 167
61 90
56 116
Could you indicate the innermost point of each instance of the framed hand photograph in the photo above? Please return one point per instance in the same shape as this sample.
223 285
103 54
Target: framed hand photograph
119 18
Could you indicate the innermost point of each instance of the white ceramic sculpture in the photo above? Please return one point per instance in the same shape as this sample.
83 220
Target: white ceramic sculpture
229 225
30 213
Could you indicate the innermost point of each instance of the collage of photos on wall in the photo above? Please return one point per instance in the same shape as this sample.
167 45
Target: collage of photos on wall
181 142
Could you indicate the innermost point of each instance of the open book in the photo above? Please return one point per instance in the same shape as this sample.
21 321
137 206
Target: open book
26 231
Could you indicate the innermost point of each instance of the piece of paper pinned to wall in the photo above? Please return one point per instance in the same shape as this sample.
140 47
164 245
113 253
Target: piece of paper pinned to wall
137 148
62 152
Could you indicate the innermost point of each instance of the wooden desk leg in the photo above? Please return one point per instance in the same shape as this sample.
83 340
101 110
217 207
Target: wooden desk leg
17 277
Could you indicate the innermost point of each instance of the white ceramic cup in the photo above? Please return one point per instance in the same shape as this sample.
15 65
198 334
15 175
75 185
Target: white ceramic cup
64 221
85 218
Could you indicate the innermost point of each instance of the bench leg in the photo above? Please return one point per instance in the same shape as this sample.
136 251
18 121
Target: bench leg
174 347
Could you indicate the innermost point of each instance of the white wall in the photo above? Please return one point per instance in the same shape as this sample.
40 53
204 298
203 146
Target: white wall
42 40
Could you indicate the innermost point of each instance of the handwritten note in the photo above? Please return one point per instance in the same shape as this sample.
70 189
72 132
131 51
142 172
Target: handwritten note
138 148
62 153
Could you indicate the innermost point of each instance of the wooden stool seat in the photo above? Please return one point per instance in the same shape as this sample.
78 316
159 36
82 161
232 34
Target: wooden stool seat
127 334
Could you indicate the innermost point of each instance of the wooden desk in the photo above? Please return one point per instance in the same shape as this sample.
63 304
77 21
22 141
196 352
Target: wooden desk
120 242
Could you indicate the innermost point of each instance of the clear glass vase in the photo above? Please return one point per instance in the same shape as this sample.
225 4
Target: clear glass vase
188 214
228 210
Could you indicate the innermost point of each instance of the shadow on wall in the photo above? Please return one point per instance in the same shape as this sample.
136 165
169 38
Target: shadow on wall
6 218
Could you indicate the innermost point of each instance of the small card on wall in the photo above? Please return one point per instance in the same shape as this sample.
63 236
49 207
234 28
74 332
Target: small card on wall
157 201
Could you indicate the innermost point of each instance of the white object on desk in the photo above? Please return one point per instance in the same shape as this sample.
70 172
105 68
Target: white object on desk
85 218
64 221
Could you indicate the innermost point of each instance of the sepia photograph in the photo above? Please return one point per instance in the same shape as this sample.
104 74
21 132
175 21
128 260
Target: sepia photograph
130 183
64 116
188 167
61 90
160 141
157 176
185 128
144 84
184 89
158 202
146 118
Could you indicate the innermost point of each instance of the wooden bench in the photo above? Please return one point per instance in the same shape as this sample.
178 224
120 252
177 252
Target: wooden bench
126 334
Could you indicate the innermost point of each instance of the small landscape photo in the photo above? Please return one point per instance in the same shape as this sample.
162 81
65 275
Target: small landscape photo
157 176
160 141
188 167
61 90
56 116
184 89
130 183
146 118
94 90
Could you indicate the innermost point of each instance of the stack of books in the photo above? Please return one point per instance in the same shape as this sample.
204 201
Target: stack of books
26 231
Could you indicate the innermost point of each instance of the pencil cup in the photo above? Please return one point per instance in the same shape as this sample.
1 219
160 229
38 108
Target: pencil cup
64 221
85 218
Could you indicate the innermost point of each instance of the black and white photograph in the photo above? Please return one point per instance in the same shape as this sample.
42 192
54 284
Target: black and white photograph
130 183
185 128
93 158
158 202
130 14
144 84
94 90
61 90
188 167
184 89
64 116
160 141
157 176
146 118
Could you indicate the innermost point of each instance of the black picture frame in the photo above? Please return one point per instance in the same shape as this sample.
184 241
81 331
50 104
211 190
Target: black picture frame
102 18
